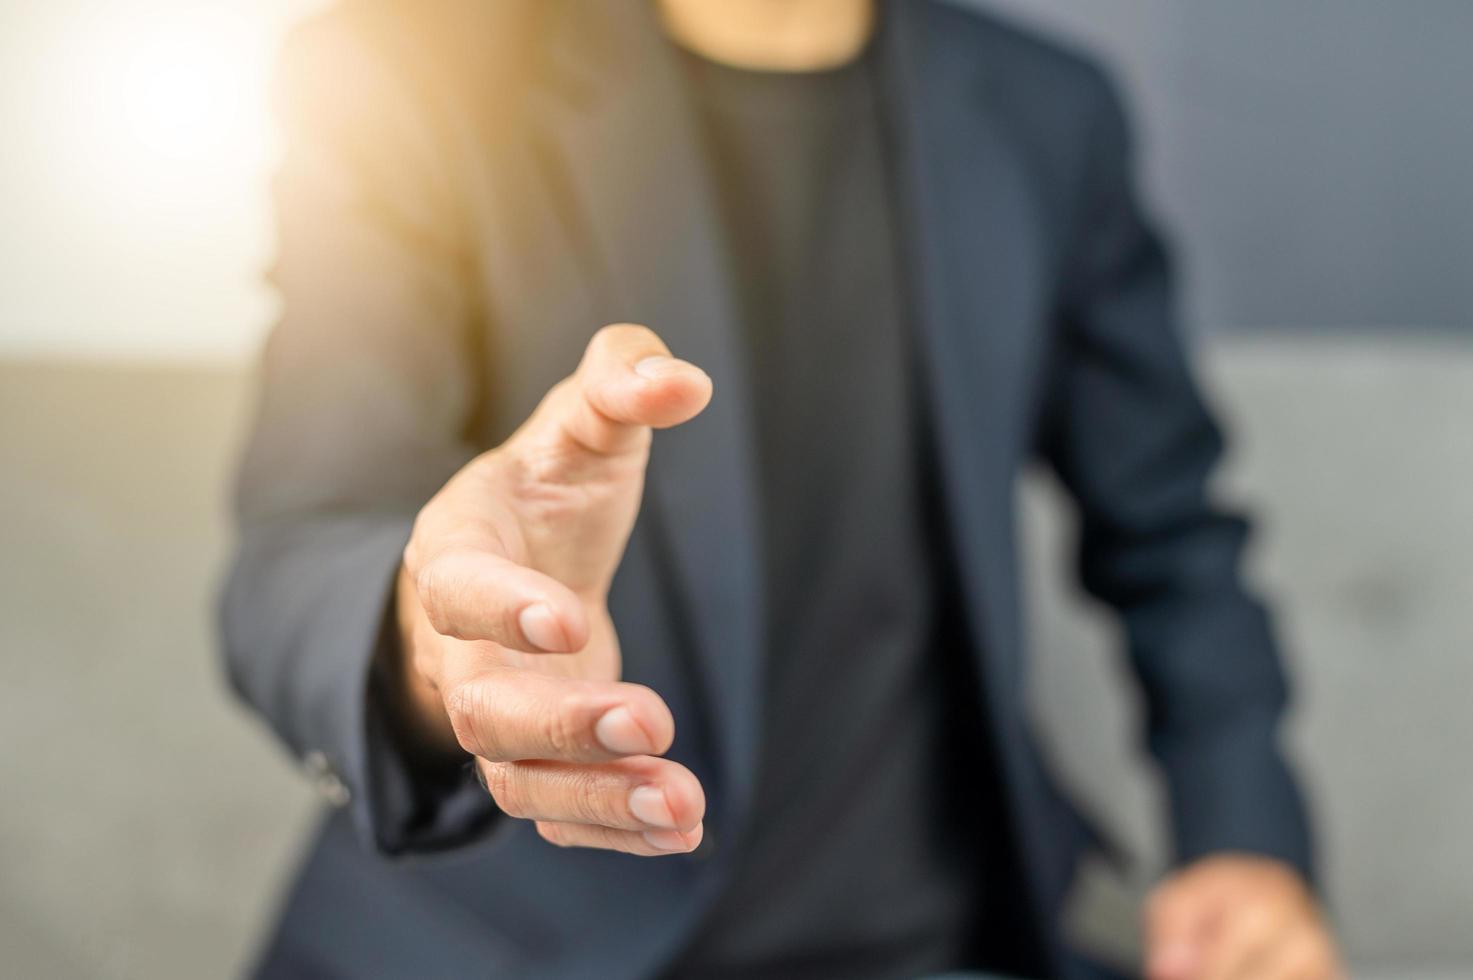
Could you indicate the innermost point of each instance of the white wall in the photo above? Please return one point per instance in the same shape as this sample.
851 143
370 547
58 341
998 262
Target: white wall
137 142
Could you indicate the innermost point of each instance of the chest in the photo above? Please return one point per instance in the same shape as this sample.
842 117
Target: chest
609 216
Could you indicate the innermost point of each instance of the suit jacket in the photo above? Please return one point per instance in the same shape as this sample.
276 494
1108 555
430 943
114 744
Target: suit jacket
470 190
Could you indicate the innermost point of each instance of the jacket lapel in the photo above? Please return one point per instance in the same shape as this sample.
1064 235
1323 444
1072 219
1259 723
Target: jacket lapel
979 272
627 145
614 111
976 267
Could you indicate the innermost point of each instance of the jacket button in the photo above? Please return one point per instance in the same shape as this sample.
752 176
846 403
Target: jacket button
325 778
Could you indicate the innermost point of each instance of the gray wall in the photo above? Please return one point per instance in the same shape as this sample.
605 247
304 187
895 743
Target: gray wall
1314 157
1354 455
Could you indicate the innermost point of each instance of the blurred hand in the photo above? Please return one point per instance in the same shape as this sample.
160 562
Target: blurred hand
509 651
1236 917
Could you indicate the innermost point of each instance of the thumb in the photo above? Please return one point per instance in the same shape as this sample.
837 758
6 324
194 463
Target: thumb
626 384
1178 918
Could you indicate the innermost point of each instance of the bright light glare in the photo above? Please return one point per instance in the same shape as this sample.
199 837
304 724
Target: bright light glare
168 94
153 94
134 176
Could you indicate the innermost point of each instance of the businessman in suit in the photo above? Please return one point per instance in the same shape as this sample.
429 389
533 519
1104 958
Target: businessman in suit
743 697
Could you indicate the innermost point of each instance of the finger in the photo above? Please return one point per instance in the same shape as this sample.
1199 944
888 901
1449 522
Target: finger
1172 961
479 595
649 843
629 377
1302 954
1307 956
1241 939
504 714
1177 920
641 793
626 383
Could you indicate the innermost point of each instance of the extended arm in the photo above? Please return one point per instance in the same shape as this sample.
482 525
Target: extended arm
1129 435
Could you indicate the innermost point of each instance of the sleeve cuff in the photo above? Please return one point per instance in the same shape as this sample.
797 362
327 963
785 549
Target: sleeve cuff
408 809
395 808
1232 791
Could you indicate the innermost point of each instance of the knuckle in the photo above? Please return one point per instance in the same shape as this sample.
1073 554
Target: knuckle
425 661
608 839
606 334
420 546
611 332
588 800
545 475
410 557
638 333
502 784
613 336
466 705
436 596
560 729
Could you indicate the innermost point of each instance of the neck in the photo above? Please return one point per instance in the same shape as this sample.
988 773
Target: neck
771 35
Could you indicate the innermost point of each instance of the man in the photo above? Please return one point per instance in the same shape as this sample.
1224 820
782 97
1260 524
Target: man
758 677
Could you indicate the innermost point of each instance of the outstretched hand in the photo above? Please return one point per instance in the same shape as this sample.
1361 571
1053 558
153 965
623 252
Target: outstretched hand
509 651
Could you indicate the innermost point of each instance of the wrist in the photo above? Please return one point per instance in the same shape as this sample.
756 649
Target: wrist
412 705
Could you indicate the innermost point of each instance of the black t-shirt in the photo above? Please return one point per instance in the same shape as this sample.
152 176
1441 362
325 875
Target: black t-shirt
861 859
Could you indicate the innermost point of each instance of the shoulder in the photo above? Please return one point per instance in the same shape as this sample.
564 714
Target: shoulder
1059 102
970 31
1050 80
429 50
426 26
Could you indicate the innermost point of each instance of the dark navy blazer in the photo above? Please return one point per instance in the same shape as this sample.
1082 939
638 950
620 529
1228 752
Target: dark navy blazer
470 190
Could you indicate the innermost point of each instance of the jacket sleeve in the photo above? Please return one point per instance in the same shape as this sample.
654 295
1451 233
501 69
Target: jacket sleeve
366 391
1128 433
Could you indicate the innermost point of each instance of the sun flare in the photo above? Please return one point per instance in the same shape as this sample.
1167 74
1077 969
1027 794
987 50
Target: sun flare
137 164
164 97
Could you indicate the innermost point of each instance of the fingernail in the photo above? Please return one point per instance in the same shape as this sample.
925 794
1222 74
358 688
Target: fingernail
648 804
540 626
618 732
654 368
667 840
